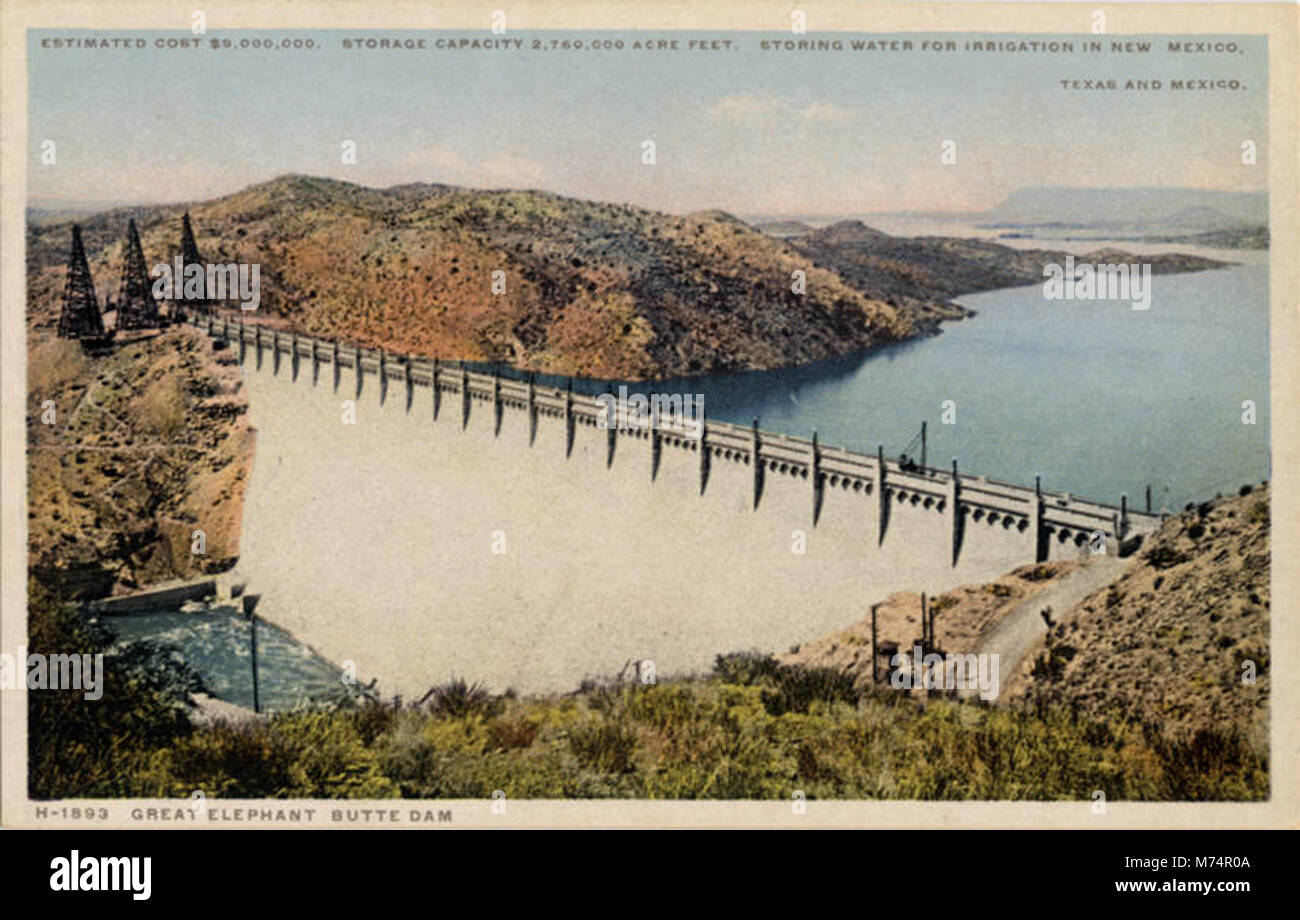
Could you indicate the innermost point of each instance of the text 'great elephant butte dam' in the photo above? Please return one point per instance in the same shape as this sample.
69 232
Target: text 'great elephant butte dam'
488 528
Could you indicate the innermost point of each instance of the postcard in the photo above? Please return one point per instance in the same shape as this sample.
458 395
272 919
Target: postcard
590 415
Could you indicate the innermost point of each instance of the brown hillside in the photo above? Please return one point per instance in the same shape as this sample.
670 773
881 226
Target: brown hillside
961 617
1166 642
148 444
921 275
591 289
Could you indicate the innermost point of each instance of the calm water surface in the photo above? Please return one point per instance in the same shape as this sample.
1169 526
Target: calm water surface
1096 397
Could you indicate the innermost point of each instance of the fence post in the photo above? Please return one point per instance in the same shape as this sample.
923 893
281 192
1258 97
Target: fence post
755 450
250 608
875 678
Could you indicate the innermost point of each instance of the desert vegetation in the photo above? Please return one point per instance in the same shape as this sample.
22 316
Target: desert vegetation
1182 636
752 729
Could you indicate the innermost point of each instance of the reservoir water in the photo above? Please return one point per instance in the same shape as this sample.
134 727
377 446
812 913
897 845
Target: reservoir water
1096 397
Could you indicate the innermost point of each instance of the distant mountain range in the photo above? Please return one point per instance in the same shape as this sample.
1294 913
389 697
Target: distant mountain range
1187 208
1169 215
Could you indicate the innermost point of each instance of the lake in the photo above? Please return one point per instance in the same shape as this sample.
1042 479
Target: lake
1096 397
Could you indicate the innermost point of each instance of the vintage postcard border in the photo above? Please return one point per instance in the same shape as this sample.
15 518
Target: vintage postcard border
1278 22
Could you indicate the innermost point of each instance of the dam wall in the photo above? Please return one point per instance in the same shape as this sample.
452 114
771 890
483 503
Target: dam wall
451 523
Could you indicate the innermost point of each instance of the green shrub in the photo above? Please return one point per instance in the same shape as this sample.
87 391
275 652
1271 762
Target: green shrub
1165 557
510 734
745 668
93 748
756 730
606 747
1038 573
457 698
798 688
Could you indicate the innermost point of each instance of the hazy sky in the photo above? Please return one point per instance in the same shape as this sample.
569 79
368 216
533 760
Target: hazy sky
747 130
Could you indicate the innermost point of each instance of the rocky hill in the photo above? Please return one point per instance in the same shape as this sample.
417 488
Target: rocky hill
961 617
128 454
921 275
1164 644
1168 640
591 289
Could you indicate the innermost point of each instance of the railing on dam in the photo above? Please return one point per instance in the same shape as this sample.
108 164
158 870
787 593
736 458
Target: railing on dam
963 499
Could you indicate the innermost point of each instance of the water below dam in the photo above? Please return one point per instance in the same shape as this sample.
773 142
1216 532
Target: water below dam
218 646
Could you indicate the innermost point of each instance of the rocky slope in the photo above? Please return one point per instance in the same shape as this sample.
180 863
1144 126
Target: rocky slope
961 617
584 288
1165 643
1168 640
145 445
590 289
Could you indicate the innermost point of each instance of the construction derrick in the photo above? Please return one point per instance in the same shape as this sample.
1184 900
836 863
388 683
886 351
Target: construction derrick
190 256
136 307
80 318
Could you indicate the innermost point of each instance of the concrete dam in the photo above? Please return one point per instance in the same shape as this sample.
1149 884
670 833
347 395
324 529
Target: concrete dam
458 524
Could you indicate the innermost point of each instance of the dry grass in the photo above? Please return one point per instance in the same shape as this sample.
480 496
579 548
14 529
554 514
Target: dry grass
53 364
163 408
